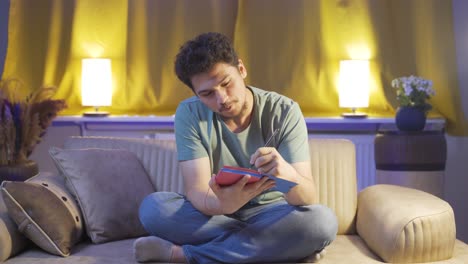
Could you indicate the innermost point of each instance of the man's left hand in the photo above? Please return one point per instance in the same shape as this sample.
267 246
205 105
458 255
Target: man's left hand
269 161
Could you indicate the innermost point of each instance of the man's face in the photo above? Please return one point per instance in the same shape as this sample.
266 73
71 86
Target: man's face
222 89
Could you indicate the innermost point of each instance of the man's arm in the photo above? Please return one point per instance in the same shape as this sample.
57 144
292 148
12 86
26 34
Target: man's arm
210 198
269 161
304 192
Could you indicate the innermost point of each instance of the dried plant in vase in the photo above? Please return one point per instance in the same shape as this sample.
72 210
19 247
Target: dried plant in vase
24 120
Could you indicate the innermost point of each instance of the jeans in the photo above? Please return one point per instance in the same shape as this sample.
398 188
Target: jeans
275 232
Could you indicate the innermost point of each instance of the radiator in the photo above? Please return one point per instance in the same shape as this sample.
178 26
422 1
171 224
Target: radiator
365 164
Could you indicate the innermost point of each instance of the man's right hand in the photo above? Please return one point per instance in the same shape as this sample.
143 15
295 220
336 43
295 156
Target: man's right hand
229 199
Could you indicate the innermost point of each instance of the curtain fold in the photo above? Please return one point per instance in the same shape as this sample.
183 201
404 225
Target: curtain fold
289 46
296 49
157 30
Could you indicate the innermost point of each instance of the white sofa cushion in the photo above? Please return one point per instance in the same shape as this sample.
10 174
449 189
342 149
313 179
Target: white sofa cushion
334 169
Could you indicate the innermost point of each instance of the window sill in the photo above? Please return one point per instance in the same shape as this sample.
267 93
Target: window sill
314 124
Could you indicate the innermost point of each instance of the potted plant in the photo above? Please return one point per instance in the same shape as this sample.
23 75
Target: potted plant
413 93
23 123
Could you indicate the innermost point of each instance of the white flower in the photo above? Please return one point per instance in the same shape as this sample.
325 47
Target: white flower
413 91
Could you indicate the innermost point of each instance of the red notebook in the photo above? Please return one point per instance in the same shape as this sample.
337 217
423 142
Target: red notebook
229 175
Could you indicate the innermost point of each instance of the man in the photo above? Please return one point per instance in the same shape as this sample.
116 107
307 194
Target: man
228 123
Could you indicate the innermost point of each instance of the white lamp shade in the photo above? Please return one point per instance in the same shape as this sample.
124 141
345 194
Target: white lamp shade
96 82
353 84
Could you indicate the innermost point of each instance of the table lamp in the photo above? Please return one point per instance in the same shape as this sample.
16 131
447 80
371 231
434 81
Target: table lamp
353 86
96 85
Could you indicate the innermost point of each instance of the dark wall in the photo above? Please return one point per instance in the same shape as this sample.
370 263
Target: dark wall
4 7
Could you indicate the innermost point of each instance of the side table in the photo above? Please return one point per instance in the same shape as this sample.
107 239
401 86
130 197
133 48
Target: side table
411 159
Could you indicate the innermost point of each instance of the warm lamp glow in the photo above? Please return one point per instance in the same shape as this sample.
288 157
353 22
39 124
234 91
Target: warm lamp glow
353 85
96 84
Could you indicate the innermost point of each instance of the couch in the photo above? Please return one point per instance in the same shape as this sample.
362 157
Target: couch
382 223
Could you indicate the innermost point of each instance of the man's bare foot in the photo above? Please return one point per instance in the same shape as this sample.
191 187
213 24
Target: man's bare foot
153 248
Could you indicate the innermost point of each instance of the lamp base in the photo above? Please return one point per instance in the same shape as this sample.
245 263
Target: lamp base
354 115
96 114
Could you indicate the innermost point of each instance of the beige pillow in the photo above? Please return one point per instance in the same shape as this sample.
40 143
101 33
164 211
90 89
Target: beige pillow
45 212
12 241
109 185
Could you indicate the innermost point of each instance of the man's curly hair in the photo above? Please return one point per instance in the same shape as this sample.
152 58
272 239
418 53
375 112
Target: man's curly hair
202 53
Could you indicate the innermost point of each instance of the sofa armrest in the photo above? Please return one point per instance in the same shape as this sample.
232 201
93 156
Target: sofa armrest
11 240
405 225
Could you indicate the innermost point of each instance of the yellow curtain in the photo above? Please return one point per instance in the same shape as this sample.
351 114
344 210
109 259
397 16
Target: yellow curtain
48 39
289 46
296 46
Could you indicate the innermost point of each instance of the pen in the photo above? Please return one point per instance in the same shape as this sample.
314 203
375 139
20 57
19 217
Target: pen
271 137
268 142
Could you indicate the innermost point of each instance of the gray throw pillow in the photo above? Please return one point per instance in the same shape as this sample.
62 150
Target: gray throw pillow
109 185
45 212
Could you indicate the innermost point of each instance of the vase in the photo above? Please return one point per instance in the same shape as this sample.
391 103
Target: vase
18 172
410 118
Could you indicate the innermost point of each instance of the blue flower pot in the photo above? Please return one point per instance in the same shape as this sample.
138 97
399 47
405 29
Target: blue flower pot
410 118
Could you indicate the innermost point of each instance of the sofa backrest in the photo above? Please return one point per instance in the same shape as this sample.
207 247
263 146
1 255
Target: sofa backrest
333 168
333 164
158 157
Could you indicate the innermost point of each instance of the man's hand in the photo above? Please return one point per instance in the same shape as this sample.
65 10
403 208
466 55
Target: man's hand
213 199
268 161
233 197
